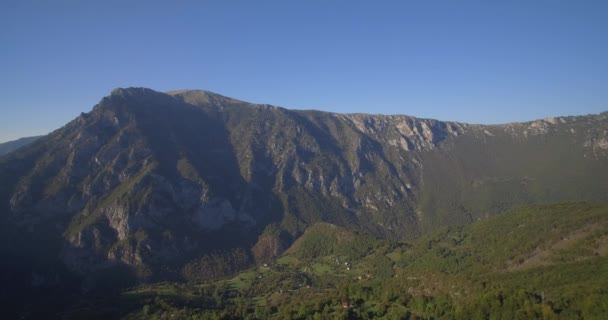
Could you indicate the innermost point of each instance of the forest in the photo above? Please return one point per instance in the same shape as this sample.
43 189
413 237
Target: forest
536 262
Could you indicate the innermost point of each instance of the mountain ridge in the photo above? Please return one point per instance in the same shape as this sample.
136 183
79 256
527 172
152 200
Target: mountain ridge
211 93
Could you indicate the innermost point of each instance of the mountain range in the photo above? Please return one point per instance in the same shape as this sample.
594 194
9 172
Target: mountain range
152 186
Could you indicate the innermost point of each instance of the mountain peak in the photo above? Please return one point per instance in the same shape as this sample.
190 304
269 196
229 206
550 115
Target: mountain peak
131 91
133 97
203 97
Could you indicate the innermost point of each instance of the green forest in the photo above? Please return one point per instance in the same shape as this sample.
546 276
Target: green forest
536 262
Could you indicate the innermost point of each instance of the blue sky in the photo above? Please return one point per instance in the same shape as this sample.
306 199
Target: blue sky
469 61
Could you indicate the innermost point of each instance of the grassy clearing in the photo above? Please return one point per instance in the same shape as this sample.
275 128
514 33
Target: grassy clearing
288 260
242 280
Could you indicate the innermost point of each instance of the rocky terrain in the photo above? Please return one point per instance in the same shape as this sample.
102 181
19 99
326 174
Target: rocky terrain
152 184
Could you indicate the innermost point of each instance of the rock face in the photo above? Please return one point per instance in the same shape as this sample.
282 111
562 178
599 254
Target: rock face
154 181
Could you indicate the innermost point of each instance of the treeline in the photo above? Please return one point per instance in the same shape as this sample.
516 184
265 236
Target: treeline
378 301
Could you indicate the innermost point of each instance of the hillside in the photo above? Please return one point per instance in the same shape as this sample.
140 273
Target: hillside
194 186
538 262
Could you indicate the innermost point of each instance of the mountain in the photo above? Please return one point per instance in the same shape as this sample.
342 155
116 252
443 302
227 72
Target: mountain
164 186
9 146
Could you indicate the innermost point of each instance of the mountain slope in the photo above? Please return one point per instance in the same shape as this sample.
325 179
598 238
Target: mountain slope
523 163
535 262
154 184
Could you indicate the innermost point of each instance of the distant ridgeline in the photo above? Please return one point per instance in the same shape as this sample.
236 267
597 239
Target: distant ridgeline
192 185
9 146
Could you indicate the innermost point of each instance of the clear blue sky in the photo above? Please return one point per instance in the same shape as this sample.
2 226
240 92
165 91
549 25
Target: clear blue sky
470 61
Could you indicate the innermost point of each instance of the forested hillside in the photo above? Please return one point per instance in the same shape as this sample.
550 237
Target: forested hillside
539 262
